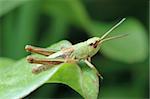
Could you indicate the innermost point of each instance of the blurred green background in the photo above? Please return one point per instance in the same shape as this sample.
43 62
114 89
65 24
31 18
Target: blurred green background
43 22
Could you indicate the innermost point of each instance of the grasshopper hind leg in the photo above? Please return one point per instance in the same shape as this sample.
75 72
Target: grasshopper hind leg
38 50
42 64
44 61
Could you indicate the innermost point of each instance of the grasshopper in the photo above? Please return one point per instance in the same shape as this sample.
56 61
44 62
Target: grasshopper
72 54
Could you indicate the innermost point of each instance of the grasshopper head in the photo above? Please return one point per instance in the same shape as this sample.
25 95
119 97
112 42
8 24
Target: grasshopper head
95 42
93 45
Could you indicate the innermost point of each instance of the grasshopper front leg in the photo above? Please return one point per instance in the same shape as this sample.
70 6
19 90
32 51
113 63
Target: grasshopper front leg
38 50
93 67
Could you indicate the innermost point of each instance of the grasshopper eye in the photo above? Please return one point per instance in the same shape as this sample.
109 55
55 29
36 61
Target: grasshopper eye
91 44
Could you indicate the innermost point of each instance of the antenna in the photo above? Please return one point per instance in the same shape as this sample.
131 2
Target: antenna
114 37
112 28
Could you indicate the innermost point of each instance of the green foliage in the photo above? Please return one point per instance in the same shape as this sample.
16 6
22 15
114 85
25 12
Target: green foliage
18 81
6 61
21 22
130 49
8 5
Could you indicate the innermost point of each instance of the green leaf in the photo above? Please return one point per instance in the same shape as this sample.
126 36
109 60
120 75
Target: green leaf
90 82
17 81
64 75
84 80
5 61
129 49
8 5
